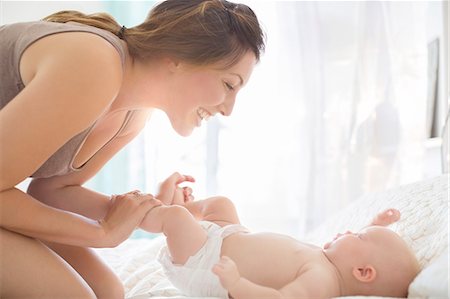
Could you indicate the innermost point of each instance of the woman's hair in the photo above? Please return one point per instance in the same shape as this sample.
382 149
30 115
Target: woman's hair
199 32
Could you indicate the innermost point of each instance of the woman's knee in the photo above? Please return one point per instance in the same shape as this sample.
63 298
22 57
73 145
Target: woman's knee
30 269
100 277
113 289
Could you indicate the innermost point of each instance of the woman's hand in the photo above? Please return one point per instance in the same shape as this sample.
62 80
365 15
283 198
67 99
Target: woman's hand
171 194
124 215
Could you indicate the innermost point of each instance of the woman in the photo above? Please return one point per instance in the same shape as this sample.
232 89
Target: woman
74 90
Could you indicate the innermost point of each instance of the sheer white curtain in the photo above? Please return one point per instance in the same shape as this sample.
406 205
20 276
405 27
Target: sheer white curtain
335 109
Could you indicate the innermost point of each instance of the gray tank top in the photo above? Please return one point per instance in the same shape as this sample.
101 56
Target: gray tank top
15 39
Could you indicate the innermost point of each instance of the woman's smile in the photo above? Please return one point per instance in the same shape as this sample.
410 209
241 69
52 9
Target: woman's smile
203 114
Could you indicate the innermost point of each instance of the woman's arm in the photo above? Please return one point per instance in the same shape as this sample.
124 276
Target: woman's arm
23 214
66 94
67 193
70 88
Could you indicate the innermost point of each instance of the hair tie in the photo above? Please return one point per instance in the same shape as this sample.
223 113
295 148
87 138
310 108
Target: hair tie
121 32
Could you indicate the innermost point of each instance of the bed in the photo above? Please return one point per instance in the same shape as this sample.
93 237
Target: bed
424 225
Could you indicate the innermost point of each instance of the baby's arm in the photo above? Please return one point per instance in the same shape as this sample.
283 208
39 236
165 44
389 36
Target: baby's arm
237 286
304 286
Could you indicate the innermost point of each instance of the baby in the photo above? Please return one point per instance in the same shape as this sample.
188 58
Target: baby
217 257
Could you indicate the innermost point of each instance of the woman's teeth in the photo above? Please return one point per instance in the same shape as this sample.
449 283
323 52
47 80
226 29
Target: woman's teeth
203 114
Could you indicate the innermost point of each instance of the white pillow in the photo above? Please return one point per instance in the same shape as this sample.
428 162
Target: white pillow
423 225
424 217
433 281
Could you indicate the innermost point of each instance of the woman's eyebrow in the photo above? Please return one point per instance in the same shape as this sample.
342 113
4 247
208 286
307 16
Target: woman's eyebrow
240 78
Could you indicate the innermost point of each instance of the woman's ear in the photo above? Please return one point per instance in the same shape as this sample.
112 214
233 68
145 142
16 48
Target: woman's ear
365 274
172 64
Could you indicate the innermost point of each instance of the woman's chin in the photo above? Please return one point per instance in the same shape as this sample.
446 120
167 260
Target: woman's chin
182 128
184 131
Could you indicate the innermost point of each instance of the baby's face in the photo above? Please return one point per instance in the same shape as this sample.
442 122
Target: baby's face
364 243
375 257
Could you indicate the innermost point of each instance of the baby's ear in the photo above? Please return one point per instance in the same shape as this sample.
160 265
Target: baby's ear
364 274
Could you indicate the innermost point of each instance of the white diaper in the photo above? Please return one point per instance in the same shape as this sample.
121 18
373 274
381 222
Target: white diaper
195 277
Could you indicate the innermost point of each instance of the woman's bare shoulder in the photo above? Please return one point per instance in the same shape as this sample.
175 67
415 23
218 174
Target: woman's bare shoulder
88 51
72 80
78 70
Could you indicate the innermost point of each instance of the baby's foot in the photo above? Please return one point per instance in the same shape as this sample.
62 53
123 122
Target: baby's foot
183 196
386 217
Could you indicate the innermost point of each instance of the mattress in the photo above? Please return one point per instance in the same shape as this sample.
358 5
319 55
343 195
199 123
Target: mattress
424 226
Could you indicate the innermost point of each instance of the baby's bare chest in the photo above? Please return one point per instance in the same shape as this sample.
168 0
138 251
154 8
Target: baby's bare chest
269 259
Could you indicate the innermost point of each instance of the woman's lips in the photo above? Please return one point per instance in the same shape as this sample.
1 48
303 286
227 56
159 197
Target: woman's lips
203 114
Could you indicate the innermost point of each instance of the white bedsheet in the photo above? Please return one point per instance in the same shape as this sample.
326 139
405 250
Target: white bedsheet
424 225
134 262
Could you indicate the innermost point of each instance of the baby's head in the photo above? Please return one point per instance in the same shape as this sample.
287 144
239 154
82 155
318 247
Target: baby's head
374 261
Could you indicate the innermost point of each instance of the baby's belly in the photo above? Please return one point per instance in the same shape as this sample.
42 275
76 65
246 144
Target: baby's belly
269 259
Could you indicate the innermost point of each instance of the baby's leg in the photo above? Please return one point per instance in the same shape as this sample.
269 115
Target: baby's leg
218 209
184 234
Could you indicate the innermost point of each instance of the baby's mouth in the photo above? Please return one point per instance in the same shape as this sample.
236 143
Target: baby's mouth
328 244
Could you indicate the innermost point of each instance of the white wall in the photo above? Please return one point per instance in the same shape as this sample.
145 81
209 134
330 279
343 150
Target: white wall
437 11
437 18
23 11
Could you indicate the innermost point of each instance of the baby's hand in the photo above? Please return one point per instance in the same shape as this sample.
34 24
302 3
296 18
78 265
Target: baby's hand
386 217
227 272
171 194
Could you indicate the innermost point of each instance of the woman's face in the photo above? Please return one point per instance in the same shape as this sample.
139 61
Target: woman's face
199 93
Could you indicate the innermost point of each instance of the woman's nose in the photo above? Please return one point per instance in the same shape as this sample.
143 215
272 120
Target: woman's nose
227 107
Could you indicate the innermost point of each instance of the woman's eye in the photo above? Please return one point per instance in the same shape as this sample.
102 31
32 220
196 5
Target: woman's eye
229 86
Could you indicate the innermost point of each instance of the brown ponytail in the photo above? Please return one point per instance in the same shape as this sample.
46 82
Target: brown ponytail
200 32
99 20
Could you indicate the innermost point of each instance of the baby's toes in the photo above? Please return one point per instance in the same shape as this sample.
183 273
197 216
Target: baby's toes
394 214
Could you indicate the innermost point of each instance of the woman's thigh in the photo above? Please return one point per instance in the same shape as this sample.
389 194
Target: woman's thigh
94 271
29 269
